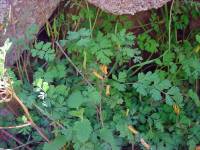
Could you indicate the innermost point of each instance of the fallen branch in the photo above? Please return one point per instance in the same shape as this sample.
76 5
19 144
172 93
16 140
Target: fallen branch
8 94
27 114
14 138
23 145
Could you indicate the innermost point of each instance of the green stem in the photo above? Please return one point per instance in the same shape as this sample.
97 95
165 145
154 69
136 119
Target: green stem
88 9
144 63
169 27
97 14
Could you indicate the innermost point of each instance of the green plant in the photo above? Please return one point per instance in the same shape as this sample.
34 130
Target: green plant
101 87
145 42
43 51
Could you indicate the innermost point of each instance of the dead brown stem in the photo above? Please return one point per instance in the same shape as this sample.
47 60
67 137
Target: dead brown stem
14 138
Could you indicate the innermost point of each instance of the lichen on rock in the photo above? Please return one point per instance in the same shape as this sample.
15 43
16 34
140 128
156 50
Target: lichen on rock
120 7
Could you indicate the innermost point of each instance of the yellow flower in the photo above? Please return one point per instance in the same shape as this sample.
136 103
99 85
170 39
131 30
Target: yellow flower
97 75
176 109
132 129
104 69
107 90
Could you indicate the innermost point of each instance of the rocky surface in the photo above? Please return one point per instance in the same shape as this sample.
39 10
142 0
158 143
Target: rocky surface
120 7
17 15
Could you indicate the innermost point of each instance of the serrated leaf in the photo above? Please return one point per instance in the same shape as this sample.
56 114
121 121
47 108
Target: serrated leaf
128 52
107 136
118 86
146 43
140 89
169 100
122 76
56 144
193 95
155 94
45 86
173 90
164 84
151 46
83 42
185 120
197 38
39 45
38 82
75 100
46 46
159 125
93 96
87 146
168 58
77 113
83 130
34 52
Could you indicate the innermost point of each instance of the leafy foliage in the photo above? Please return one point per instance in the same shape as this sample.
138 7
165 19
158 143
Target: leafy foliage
43 51
146 43
104 79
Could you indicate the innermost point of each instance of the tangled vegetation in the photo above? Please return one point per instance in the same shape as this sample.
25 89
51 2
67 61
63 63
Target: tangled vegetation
94 85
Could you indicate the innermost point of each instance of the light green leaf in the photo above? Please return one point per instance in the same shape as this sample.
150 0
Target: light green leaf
56 144
93 96
169 100
156 94
75 100
87 146
198 38
45 86
164 84
140 88
122 76
82 130
193 95
38 83
39 45
168 58
77 113
107 136
173 91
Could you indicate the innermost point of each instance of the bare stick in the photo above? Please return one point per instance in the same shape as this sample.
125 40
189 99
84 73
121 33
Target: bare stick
14 138
23 145
28 115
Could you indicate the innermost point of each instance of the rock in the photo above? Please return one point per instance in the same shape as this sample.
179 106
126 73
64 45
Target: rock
120 7
17 15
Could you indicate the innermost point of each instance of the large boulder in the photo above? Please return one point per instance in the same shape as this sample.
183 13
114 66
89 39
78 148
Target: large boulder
17 15
120 7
